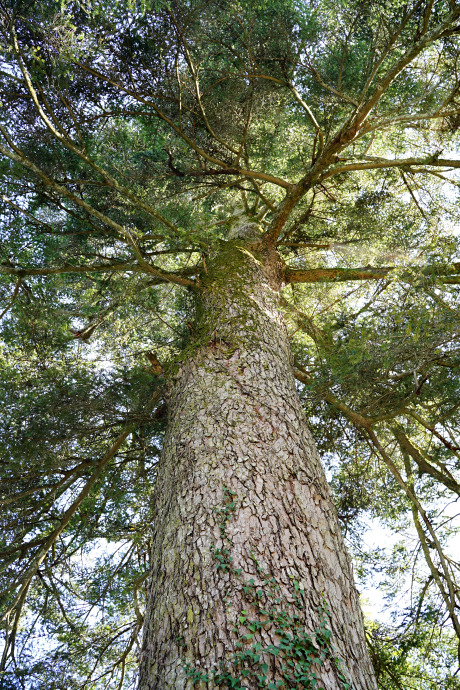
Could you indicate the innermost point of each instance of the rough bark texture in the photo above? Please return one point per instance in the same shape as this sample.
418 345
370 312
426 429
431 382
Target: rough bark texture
236 422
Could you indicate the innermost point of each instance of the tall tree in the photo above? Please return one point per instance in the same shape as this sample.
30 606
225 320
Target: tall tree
201 202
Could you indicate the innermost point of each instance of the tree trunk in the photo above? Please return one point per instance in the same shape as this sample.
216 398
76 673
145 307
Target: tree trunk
251 583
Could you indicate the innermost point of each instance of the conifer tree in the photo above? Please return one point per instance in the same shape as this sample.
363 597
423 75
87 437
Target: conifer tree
223 221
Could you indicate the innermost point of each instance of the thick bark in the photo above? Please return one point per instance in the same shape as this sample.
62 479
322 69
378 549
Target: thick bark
240 472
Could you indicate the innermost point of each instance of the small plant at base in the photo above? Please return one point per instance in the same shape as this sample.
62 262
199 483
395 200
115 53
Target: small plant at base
296 654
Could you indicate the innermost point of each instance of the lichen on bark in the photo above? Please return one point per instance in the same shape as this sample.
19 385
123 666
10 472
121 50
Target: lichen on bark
235 421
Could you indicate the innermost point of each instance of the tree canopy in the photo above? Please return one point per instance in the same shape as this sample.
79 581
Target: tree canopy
133 136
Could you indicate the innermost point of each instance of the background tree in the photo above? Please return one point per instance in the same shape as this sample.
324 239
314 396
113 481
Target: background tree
142 144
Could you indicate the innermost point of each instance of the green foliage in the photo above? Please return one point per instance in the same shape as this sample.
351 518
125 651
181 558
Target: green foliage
413 658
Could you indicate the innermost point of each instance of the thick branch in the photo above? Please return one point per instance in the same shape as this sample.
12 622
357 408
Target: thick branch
396 163
360 421
424 466
449 273
162 276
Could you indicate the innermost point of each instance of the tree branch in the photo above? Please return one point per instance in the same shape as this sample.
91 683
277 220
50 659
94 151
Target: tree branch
424 466
396 163
162 276
449 273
